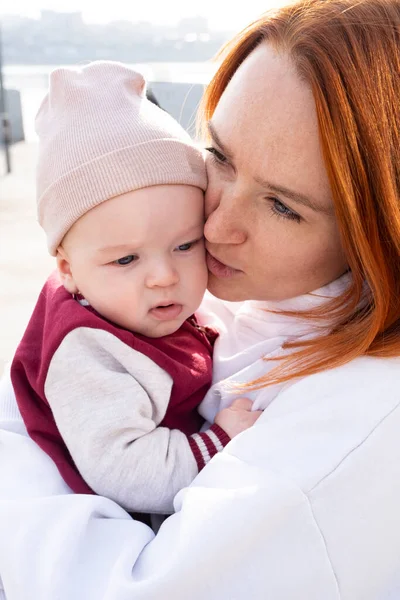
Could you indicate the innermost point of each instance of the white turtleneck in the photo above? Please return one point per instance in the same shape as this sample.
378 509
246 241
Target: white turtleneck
304 505
250 333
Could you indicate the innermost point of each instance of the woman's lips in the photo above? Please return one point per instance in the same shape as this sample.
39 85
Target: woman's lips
218 268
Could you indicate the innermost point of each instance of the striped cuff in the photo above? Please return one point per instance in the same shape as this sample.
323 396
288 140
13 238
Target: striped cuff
205 445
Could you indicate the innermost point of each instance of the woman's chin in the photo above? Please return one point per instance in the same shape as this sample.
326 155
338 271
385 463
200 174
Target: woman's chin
226 289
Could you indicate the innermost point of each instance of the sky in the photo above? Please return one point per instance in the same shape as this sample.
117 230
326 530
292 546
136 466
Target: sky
160 12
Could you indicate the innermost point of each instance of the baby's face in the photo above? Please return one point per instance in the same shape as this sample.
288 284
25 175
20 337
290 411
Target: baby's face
139 258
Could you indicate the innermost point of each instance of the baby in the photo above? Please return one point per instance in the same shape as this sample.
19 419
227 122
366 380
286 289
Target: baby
113 364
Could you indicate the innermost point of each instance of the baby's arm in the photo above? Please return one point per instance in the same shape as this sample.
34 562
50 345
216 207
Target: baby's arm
107 401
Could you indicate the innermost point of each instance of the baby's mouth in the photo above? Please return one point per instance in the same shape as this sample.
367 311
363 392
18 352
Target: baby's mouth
166 312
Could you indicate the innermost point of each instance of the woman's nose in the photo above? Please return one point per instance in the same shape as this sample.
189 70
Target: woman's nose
162 274
225 221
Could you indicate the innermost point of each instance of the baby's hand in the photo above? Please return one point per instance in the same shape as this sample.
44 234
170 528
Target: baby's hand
237 417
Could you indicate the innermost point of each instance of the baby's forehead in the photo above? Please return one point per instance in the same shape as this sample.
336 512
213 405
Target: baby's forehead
155 216
137 235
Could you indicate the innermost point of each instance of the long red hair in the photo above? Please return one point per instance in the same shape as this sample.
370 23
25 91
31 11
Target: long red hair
348 51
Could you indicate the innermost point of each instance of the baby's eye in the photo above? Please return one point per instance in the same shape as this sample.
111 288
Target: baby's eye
185 247
189 245
126 260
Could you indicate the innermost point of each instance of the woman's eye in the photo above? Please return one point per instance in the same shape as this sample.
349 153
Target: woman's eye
126 260
216 155
281 210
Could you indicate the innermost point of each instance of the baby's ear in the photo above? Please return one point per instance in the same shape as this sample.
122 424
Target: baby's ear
64 269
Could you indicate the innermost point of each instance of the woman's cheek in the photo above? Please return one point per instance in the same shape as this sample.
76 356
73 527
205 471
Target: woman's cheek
213 191
210 200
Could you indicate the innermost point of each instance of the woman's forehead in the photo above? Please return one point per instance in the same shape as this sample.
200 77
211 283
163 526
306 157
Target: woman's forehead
266 95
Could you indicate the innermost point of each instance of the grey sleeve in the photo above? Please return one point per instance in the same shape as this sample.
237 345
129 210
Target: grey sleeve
108 400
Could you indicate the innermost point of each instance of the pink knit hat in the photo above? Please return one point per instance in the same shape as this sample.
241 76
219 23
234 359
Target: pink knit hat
99 138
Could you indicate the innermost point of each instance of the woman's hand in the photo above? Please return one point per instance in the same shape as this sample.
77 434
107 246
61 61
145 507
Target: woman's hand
237 417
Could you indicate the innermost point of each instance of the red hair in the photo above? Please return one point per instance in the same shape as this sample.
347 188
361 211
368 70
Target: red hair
348 52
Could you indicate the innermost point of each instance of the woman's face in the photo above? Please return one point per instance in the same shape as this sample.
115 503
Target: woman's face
271 231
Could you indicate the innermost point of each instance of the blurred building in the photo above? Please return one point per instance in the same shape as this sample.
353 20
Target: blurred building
193 25
51 19
64 38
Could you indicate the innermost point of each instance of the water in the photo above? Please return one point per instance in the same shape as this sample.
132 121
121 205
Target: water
32 82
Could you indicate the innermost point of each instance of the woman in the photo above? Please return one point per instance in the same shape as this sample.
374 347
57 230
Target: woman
304 177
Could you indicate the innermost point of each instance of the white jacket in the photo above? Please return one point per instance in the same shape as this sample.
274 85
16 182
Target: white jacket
303 506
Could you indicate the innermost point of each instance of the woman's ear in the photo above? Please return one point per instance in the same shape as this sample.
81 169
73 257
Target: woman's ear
64 269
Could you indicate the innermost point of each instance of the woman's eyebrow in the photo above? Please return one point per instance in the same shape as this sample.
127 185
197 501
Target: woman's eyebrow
296 196
215 137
